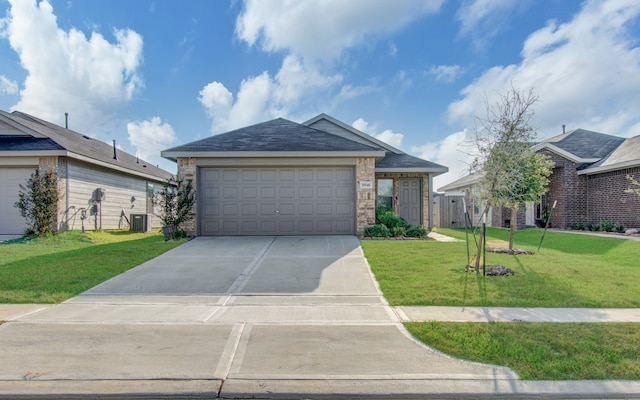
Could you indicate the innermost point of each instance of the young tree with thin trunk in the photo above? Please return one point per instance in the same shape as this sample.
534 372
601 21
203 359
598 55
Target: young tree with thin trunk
512 172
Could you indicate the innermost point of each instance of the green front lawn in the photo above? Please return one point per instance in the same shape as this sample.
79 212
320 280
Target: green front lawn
541 351
569 271
55 268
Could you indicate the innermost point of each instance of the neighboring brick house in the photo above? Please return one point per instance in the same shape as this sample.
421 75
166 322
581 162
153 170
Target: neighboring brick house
588 182
284 178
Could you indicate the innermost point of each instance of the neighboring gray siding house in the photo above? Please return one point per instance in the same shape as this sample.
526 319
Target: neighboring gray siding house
588 181
83 165
284 178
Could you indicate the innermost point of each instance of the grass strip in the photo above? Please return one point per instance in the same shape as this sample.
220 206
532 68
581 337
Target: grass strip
569 271
54 268
541 351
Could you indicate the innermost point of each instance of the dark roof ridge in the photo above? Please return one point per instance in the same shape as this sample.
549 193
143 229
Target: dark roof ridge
94 149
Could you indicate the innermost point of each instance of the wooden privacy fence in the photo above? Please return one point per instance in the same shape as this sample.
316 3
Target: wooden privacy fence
451 211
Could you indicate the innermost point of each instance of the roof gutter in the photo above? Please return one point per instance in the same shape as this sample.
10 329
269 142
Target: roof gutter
607 168
563 153
174 155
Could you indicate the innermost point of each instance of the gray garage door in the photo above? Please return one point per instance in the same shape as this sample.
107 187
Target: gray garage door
277 201
11 222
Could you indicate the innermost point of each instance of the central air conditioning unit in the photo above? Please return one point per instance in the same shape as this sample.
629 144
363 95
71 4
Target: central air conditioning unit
140 223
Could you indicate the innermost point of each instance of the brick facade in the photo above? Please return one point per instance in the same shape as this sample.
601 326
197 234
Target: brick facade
607 200
187 171
569 190
365 198
589 199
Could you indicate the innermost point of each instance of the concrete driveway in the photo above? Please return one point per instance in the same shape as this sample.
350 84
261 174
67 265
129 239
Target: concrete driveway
242 316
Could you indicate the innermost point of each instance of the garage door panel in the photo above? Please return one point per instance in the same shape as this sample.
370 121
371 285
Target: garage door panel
324 192
267 209
267 192
305 192
11 222
277 201
287 192
249 210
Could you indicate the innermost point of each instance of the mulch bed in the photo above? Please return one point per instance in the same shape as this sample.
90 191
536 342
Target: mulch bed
503 250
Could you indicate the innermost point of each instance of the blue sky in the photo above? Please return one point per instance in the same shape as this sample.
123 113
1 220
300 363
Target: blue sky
155 74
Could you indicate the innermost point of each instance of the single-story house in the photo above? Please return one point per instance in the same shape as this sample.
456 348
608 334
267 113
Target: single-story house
99 185
587 184
285 178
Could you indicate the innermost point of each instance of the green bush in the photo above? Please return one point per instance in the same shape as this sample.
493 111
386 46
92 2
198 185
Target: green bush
606 226
577 226
592 227
398 231
377 230
38 203
418 231
620 228
390 219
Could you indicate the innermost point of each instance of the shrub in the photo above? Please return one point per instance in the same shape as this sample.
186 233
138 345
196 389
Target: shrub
38 202
377 230
416 231
577 226
620 228
398 231
175 200
606 226
390 219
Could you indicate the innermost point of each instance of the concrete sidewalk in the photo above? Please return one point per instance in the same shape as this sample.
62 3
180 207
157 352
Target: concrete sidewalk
249 318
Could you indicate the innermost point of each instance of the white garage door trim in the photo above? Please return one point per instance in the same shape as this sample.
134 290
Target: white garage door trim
277 201
11 222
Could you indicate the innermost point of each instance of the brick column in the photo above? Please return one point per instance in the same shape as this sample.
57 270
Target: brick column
187 171
365 198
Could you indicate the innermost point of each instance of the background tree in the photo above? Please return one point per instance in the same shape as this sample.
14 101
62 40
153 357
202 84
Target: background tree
511 171
38 202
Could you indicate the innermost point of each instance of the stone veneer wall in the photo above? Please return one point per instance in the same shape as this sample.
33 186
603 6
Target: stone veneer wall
187 171
396 191
365 198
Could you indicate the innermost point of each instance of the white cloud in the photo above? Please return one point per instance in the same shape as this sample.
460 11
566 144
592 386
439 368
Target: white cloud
150 137
264 97
453 152
91 78
312 35
8 86
586 72
445 73
387 136
485 19
322 29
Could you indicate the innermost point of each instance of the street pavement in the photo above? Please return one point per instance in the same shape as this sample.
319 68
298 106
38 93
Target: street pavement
252 317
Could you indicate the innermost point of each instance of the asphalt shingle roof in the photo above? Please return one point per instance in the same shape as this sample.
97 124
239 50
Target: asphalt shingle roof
74 142
586 144
275 135
392 160
27 143
628 151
